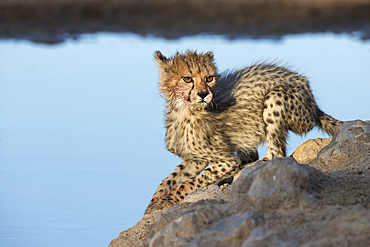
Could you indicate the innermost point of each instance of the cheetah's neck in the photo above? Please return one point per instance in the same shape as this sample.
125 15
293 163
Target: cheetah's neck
185 126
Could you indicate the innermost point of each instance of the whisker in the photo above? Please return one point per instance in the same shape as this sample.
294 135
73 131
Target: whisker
214 103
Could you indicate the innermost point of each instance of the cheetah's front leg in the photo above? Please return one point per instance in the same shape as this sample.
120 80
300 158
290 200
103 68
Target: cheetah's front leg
215 173
186 170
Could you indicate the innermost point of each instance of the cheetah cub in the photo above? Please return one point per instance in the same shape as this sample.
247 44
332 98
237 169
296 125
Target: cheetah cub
217 121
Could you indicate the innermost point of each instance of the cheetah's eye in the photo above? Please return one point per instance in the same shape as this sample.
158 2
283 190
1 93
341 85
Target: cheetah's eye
187 79
209 79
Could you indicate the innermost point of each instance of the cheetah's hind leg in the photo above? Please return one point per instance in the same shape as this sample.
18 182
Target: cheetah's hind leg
276 132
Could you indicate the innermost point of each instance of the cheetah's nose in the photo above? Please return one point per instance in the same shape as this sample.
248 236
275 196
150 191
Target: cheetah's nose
203 94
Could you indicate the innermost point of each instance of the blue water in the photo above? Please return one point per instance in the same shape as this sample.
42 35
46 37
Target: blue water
81 125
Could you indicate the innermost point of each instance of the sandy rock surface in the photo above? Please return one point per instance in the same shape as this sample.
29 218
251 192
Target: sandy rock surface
54 21
277 203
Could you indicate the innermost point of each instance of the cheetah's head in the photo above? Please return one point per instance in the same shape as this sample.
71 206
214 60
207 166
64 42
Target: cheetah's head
187 79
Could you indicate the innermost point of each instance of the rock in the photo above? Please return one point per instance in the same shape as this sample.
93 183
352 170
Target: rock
280 184
350 149
184 229
136 235
275 203
231 231
207 193
356 220
266 237
308 151
154 222
348 226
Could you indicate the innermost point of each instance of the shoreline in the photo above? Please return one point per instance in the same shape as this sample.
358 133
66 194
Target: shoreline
54 22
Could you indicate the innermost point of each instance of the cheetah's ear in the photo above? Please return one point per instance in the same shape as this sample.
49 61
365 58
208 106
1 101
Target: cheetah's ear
162 62
159 58
209 55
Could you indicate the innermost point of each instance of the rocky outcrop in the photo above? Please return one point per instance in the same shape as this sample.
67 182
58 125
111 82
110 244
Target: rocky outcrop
154 226
54 21
349 151
308 151
325 202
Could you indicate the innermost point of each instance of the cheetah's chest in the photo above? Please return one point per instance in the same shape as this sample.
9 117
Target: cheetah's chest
188 136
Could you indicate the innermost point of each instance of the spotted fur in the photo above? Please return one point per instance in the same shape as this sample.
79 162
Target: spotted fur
216 125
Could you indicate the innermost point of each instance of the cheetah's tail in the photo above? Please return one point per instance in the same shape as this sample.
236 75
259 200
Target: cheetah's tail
327 123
